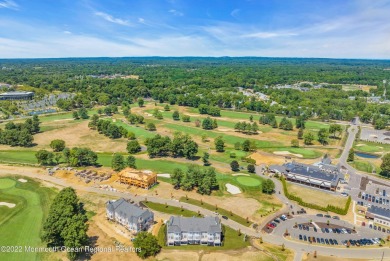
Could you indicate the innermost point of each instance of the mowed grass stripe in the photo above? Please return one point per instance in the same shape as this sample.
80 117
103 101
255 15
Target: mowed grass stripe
24 228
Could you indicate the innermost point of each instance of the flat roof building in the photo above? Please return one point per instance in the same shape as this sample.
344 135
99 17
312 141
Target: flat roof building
380 215
324 175
16 96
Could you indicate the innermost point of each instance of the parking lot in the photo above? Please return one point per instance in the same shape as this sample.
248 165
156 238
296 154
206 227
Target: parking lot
326 229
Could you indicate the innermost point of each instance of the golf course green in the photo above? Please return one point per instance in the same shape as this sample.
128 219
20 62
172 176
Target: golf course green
248 181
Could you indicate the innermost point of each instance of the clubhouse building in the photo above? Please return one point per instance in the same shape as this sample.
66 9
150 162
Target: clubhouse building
17 96
132 217
194 231
322 175
381 216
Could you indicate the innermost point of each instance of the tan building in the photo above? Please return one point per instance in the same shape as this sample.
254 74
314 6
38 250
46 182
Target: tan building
141 179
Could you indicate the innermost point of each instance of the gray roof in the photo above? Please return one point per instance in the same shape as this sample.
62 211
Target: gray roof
16 93
194 224
384 212
277 168
311 171
127 210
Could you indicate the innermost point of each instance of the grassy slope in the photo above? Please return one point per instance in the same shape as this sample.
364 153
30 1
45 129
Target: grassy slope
170 209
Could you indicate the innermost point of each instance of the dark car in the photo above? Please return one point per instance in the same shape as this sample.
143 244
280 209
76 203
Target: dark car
336 217
327 216
277 220
326 241
300 237
304 238
349 231
318 240
323 230
315 229
335 242
322 241
300 227
225 217
319 215
326 230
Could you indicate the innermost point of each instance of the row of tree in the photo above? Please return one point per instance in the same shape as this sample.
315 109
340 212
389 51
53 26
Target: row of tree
247 128
75 157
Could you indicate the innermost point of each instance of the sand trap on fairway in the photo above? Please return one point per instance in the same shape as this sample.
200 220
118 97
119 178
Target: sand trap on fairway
286 153
148 114
10 205
359 145
223 129
240 174
22 180
164 175
233 189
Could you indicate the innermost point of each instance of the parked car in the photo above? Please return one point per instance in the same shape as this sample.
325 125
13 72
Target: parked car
225 217
300 237
344 194
327 216
277 220
319 215
336 217
304 238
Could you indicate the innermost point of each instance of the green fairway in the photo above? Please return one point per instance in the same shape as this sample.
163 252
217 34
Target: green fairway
7 183
306 153
22 225
14 156
372 147
139 131
248 181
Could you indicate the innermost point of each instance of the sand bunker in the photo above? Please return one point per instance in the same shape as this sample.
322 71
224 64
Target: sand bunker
148 114
233 189
164 175
10 205
286 153
22 180
240 174
223 129
359 145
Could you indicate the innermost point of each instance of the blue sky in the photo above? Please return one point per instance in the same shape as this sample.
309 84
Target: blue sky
276 28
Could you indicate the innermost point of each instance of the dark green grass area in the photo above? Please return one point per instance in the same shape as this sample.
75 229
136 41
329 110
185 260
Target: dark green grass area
23 227
170 209
231 240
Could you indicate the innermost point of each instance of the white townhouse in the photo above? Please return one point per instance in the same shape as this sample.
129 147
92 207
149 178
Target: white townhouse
194 231
134 218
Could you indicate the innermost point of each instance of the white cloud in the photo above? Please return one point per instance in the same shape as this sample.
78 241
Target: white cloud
112 19
67 32
175 12
9 4
266 35
235 13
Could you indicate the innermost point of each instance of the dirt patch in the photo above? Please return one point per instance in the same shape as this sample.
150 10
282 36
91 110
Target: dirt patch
10 205
240 174
267 158
79 135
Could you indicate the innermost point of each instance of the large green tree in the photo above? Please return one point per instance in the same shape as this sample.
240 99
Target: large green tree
66 224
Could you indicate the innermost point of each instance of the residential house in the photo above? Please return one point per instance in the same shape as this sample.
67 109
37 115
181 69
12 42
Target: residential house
194 231
133 217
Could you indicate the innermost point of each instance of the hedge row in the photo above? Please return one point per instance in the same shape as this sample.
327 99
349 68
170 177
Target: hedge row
331 208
